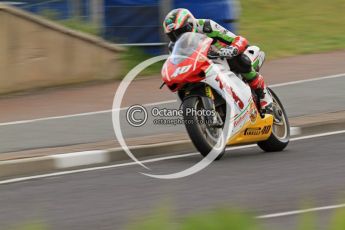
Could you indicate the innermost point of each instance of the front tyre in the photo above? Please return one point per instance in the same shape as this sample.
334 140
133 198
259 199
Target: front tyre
280 136
203 136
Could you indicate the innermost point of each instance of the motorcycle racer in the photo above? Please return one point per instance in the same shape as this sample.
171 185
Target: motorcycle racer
227 44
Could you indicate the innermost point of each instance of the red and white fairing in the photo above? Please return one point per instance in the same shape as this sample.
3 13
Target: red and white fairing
189 64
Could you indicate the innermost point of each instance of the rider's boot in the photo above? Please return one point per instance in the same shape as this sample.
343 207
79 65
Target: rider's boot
260 88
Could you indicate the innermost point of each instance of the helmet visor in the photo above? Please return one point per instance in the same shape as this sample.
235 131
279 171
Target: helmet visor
175 34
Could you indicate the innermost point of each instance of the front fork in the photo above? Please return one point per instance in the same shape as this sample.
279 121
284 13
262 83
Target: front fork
208 102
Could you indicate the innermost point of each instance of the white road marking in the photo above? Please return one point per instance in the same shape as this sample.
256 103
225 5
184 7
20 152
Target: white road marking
308 80
155 103
21 179
317 135
78 114
301 211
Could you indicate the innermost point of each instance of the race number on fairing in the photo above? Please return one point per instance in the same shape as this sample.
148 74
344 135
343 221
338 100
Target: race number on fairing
181 70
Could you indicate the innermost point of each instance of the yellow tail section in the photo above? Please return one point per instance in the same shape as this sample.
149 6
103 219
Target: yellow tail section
253 132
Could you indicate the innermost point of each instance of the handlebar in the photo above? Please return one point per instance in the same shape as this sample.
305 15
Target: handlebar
216 55
213 55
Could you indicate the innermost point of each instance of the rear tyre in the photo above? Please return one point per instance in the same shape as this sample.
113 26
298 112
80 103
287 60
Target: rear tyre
280 136
203 136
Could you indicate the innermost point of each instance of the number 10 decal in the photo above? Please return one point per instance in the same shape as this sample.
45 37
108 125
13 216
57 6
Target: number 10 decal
181 70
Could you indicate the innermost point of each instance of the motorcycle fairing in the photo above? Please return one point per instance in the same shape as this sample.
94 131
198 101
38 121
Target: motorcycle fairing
247 118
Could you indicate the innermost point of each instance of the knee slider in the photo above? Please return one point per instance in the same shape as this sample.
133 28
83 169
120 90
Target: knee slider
245 63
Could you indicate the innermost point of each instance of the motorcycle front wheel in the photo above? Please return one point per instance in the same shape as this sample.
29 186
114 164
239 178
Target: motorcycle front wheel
203 135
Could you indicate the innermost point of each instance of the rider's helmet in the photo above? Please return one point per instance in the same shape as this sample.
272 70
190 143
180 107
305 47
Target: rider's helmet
177 22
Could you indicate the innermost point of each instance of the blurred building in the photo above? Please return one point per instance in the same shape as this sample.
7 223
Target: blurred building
132 22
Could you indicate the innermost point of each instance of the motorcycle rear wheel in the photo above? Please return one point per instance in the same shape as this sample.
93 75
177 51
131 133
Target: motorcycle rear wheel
280 136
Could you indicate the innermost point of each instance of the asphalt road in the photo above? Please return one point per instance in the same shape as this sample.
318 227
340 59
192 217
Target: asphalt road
309 170
300 99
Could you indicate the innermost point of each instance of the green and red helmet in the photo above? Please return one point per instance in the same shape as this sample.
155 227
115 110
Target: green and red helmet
177 22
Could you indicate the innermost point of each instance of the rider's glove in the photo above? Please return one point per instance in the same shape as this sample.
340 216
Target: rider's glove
228 52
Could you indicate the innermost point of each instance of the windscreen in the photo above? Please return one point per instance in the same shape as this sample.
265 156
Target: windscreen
185 46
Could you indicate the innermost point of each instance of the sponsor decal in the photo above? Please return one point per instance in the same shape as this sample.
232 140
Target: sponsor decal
240 119
220 82
221 29
266 129
252 131
253 113
228 88
257 131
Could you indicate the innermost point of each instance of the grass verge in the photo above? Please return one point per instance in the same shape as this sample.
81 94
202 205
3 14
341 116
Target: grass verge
285 28
220 219
224 219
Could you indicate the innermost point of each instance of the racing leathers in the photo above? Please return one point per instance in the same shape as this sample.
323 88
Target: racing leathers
240 56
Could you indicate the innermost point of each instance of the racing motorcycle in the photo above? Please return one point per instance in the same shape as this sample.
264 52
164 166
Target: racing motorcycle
203 81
